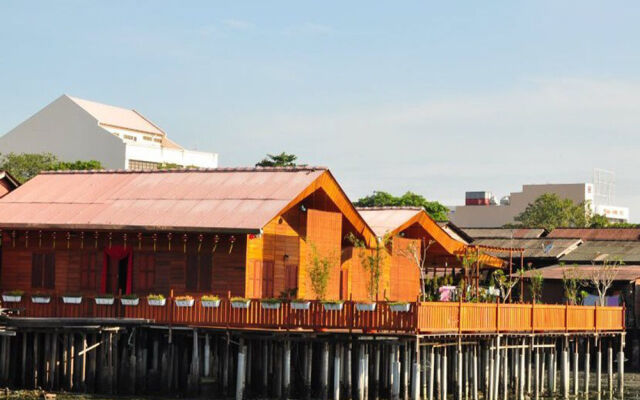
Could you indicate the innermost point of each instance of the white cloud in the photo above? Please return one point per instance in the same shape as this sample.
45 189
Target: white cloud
238 24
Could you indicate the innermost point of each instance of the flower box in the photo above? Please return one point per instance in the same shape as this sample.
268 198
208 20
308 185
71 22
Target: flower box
210 303
300 305
240 303
333 306
131 301
72 299
104 301
156 302
270 305
41 299
400 307
366 306
11 298
185 302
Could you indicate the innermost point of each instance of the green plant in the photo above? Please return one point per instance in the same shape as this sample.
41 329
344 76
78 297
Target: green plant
271 301
40 294
319 272
16 292
506 283
155 297
289 294
299 301
239 300
332 302
72 294
571 282
184 298
209 297
373 260
104 296
535 288
130 296
398 303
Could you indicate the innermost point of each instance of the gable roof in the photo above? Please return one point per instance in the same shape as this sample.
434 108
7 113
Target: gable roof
598 250
533 248
117 117
233 199
505 233
556 272
387 220
596 233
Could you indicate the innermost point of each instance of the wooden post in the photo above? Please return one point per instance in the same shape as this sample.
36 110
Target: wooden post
361 362
83 364
621 367
522 353
475 372
415 380
598 367
265 370
324 372
543 368
286 375
395 371
336 370
36 365
54 361
551 371
225 367
575 367
587 367
23 371
207 356
406 365
348 369
565 368
445 381
610 367
432 368
459 368
497 364
376 372
242 351
366 372
536 386
505 372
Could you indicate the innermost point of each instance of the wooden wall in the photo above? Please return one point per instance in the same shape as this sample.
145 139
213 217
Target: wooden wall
79 262
404 276
354 260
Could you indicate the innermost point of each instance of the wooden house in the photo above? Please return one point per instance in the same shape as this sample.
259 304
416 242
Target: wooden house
244 231
406 231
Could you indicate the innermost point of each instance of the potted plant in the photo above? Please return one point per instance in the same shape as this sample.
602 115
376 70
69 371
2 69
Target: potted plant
130 300
400 306
104 299
300 304
156 300
210 301
40 298
270 304
240 302
72 298
13 296
184 301
333 305
366 306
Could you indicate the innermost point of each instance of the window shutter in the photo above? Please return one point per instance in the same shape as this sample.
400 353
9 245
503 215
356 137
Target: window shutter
36 270
205 273
291 278
191 278
267 279
49 280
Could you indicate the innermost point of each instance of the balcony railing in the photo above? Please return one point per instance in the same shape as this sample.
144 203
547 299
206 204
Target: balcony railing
422 317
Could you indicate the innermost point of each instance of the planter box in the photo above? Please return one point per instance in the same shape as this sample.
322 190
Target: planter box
104 301
8 298
129 302
210 303
333 306
270 306
400 307
366 306
41 299
240 304
72 299
157 302
300 305
185 303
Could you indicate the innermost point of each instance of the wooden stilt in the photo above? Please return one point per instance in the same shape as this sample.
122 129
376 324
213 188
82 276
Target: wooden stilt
621 367
240 375
336 371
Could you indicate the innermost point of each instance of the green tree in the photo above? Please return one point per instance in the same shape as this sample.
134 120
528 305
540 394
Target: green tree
598 221
383 199
319 272
278 160
549 211
25 166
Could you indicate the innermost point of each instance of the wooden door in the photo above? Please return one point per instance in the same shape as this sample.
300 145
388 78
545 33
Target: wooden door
267 279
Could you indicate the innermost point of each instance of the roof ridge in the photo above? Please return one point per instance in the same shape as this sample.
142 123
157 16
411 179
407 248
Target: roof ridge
181 170
376 208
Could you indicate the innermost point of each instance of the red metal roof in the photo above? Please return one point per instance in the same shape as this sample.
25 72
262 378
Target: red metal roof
242 199
596 233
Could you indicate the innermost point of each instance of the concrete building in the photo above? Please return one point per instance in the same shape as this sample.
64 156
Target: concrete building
484 210
76 129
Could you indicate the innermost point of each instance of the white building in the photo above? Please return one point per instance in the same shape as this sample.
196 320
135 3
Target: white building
494 213
75 129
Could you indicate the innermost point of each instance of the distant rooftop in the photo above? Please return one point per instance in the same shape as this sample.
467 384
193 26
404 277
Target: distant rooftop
506 233
596 233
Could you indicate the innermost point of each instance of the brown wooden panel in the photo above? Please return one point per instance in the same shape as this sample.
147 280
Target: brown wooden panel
324 230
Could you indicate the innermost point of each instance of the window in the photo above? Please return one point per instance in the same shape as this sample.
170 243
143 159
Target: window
129 137
198 272
88 271
43 270
139 165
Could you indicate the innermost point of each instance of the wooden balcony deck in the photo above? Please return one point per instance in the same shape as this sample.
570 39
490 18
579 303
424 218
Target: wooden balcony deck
422 318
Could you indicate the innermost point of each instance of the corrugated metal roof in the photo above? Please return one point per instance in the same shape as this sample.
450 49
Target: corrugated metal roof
506 233
449 228
213 199
627 251
596 233
386 219
117 116
625 272
533 248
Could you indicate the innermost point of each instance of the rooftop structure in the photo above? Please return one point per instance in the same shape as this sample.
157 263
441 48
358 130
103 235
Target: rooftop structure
504 233
483 210
77 129
587 234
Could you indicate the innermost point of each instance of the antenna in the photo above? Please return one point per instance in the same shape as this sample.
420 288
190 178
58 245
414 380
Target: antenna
547 247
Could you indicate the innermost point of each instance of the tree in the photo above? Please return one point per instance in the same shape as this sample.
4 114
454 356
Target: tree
373 259
507 282
25 166
603 275
549 211
278 160
598 221
383 199
319 272
418 256
535 288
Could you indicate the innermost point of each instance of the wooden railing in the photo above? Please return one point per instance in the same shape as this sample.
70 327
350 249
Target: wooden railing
424 317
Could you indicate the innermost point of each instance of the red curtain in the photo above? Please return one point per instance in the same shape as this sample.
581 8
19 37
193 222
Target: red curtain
118 253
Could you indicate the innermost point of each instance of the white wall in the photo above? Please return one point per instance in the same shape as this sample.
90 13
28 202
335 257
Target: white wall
66 130
159 154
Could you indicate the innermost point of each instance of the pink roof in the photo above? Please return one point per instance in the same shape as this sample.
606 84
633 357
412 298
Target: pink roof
208 200
117 116
384 220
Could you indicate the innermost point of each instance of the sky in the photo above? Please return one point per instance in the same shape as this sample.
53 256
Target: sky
433 97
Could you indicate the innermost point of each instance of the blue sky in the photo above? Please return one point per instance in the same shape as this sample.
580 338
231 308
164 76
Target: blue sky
434 97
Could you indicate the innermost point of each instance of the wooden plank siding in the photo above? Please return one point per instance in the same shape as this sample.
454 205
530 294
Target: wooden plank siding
405 276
